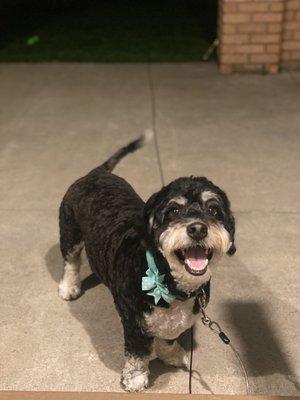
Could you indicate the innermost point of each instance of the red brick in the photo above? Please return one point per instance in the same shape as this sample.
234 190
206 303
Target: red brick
278 6
273 48
241 1
293 26
267 17
253 7
252 27
235 39
291 64
264 58
249 67
265 38
228 28
285 55
293 4
229 7
291 55
243 48
234 58
290 15
236 18
274 28
288 35
295 55
291 45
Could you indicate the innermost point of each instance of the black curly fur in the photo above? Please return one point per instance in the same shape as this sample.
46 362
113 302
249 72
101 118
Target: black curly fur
105 212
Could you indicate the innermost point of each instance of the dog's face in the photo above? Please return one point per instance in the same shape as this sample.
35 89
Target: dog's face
191 223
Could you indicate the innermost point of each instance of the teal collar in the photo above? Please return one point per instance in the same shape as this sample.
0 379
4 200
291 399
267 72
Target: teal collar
153 282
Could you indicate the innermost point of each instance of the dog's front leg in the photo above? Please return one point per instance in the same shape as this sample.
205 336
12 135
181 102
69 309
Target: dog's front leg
138 347
171 353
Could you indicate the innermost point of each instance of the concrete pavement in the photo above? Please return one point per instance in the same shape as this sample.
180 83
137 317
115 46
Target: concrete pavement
57 121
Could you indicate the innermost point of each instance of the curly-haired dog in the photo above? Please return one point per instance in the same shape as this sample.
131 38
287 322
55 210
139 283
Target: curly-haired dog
154 257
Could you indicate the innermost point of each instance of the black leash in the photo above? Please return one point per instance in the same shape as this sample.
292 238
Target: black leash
215 328
191 359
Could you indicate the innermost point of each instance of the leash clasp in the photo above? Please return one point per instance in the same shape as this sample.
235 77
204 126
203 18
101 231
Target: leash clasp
214 327
205 319
202 299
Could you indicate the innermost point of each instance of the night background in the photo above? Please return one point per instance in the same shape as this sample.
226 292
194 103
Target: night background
106 31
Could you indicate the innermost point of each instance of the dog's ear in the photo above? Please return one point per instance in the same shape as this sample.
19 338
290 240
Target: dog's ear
232 249
149 211
231 224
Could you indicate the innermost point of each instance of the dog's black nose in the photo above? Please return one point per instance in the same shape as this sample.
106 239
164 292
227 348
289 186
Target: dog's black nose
197 230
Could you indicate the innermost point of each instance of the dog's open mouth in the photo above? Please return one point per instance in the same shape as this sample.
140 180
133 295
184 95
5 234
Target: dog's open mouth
195 259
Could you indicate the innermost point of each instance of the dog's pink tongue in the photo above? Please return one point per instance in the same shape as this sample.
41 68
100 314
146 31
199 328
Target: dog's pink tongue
195 258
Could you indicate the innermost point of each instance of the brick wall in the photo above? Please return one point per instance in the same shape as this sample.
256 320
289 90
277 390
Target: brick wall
259 35
291 35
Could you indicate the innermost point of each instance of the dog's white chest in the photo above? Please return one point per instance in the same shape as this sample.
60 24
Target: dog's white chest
169 323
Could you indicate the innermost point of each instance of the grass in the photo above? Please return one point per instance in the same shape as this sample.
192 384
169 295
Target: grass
107 31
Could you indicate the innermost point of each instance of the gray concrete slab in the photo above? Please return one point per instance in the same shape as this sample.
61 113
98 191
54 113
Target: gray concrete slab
240 131
58 121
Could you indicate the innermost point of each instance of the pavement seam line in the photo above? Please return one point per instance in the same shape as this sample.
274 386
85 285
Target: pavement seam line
153 122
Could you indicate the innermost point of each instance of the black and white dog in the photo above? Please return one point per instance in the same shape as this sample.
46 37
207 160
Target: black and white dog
154 257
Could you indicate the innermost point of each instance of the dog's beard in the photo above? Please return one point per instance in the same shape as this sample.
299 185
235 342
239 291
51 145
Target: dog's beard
190 261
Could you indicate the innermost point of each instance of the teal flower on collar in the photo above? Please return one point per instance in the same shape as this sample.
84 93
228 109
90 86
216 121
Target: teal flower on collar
154 282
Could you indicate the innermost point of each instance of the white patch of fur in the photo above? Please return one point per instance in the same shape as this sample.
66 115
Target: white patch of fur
218 239
148 136
70 286
207 195
171 354
181 200
176 237
151 220
135 374
169 323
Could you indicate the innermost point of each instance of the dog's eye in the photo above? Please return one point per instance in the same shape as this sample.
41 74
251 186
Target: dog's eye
173 212
214 211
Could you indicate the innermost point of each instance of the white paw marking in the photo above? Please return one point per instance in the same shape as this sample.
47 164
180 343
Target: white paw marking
135 381
68 292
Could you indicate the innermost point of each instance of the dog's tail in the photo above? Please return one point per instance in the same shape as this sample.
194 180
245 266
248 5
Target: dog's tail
110 164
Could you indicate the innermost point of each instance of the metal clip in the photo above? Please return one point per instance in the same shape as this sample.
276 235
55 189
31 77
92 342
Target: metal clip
205 319
214 327
202 299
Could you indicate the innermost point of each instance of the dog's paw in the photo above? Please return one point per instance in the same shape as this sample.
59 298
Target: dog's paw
68 292
173 354
135 381
179 359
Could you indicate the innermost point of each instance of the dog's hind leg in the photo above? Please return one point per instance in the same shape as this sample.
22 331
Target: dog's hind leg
71 245
171 353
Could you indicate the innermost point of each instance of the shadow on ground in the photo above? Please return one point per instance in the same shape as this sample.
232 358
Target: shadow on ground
260 347
257 330
263 353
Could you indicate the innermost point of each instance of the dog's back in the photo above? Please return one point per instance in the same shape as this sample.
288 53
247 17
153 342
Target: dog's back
100 211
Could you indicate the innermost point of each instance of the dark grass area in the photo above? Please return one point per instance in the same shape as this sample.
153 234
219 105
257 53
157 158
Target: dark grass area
107 31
